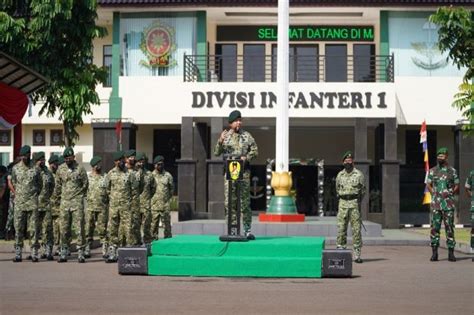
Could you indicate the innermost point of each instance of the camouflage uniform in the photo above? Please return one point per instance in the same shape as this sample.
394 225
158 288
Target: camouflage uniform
119 188
72 182
350 187
161 203
443 179
149 188
27 182
97 211
55 206
135 221
238 144
470 186
44 211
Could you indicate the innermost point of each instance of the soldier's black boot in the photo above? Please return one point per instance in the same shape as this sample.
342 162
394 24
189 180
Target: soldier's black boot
434 256
62 255
34 254
249 236
17 258
49 252
112 258
451 255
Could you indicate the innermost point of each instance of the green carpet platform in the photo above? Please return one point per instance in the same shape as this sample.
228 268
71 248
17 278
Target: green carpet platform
206 256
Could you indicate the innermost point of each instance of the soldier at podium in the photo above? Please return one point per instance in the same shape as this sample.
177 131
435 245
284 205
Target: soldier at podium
235 142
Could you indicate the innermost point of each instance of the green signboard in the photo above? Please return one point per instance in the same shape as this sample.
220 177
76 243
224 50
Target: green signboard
305 33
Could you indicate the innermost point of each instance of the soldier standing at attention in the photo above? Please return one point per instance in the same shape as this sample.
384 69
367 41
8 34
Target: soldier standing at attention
350 188
44 206
97 207
119 189
469 188
237 143
26 186
55 202
145 198
72 181
134 237
443 184
161 200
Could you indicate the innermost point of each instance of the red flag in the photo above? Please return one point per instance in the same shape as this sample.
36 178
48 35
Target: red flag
118 131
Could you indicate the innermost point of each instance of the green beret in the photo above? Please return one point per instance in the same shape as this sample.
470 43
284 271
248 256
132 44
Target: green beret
68 152
117 155
95 160
53 159
158 159
38 156
442 150
234 115
26 149
130 153
141 156
60 160
346 155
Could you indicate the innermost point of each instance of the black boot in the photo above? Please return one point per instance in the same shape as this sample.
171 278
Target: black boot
434 257
451 255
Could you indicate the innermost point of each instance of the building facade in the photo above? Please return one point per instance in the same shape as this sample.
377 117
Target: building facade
363 77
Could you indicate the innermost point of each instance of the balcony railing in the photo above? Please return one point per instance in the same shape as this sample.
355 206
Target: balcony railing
262 68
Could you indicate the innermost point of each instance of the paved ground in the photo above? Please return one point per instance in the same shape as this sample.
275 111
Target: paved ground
392 280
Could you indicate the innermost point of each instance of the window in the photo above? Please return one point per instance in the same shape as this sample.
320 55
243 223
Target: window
336 63
107 63
226 62
254 63
303 64
364 63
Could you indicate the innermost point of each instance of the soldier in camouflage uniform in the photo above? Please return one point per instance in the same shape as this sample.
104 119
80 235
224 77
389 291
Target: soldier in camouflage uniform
350 188
443 184
44 206
235 142
469 190
161 200
145 198
55 203
72 181
97 207
119 188
3 194
134 237
26 183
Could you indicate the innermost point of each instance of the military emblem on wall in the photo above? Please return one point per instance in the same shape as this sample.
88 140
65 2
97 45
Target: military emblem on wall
158 45
5 139
39 137
56 137
429 57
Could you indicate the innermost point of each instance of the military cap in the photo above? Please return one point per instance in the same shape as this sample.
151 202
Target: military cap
141 156
117 155
68 152
130 153
24 150
38 156
53 159
234 115
347 154
60 160
95 160
158 159
442 150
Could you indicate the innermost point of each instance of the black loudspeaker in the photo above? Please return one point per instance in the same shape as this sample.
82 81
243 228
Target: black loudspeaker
133 261
337 263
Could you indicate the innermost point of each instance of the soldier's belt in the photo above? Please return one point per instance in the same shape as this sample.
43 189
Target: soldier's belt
349 197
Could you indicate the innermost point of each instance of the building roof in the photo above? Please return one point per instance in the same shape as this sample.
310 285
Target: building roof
246 3
15 74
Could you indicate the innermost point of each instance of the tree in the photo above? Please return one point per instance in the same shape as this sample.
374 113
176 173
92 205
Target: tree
456 36
55 37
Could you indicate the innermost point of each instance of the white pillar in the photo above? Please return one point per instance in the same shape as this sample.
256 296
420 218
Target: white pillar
282 121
